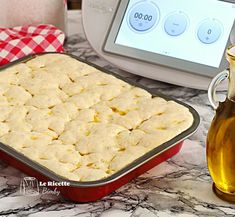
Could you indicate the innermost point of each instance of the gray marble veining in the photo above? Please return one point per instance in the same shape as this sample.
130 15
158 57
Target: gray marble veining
179 187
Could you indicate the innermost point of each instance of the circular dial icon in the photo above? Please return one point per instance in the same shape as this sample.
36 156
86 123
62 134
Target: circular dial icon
143 16
209 31
176 24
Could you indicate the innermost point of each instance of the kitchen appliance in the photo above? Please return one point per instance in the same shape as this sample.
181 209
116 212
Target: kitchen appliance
91 191
151 37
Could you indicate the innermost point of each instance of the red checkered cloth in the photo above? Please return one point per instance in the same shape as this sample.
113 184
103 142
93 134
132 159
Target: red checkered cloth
20 41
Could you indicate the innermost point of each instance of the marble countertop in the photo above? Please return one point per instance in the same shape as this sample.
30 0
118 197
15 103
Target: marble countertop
179 187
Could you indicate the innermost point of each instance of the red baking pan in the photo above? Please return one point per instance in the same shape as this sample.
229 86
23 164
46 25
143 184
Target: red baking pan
95 190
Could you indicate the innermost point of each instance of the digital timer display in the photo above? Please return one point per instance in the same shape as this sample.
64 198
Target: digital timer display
143 16
169 32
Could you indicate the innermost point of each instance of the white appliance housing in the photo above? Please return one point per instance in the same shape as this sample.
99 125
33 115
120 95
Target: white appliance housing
97 17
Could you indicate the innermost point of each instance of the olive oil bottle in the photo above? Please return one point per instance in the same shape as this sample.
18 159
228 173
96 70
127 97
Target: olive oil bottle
221 140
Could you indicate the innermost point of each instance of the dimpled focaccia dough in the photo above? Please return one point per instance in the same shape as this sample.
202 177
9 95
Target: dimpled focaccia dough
3 101
4 129
17 95
79 122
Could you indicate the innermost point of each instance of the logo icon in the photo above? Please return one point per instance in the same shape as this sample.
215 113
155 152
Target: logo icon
29 186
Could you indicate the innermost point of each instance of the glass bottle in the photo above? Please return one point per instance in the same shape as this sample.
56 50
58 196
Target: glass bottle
221 135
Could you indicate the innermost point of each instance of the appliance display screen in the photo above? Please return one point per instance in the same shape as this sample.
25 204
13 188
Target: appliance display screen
196 32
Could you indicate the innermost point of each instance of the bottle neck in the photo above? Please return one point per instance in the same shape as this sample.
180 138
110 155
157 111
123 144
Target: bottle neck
231 85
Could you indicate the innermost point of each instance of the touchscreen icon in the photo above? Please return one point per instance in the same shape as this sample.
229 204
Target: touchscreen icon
143 16
176 24
209 31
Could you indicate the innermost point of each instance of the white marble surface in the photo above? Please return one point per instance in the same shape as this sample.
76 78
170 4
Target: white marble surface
179 187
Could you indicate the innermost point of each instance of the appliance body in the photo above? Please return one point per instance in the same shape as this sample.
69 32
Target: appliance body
97 18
